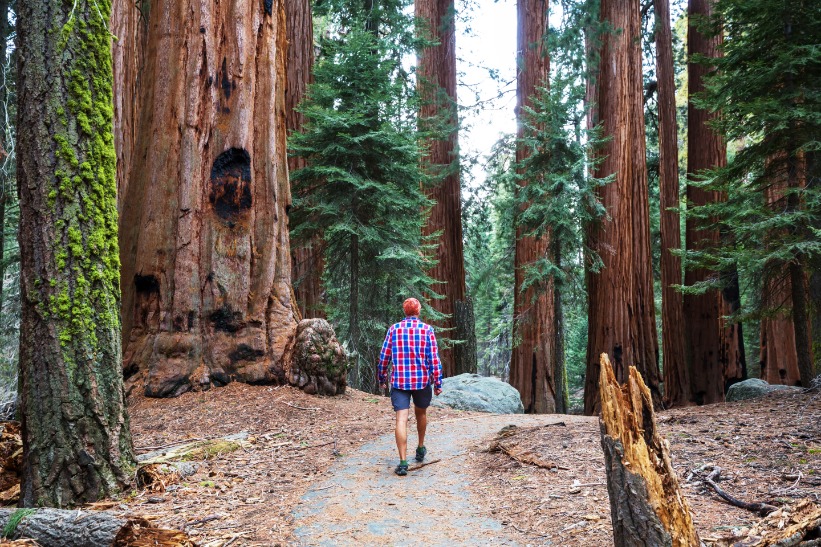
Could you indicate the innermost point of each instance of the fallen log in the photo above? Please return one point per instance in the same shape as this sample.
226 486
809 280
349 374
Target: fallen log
646 504
69 528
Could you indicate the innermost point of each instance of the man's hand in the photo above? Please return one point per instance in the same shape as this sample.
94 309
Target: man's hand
437 391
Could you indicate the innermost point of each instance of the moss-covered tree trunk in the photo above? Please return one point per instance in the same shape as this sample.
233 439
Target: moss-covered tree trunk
76 440
621 316
204 235
437 86
533 357
307 260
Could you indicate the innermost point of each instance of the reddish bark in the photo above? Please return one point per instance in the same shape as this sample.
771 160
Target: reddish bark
205 252
437 85
621 316
676 376
713 347
532 360
307 260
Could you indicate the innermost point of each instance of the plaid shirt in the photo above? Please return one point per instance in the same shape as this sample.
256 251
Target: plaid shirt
411 346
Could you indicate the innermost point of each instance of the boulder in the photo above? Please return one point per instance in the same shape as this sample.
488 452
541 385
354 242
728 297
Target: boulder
479 393
320 364
754 387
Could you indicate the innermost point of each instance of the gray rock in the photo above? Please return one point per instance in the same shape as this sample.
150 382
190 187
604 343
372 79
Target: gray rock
479 393
320 365
754 387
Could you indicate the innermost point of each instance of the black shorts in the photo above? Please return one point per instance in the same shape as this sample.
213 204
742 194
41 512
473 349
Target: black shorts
400 398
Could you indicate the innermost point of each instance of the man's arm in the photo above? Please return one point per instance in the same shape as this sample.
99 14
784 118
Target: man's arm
384 359
434 366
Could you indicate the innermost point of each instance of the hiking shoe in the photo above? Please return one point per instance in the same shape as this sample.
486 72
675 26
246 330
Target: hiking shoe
421 451
401 469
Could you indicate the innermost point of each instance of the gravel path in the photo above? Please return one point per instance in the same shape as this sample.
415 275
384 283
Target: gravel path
365 503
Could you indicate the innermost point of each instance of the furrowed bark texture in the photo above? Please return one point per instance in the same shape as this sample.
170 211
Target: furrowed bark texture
129 24
621 317
307 261
436 72
532 359
646 504
713 348
676 375
205 248
76 440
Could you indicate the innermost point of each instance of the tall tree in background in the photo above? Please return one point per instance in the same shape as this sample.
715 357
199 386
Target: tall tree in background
713 347
621 316
307 261
676 374
436 75
767 87
76 440
206 269
533 356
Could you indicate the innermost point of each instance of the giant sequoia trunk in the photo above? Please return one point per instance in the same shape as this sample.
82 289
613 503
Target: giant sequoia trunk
76 440
532 359
714 349
206 264
621 317
676 375
307 261
437 85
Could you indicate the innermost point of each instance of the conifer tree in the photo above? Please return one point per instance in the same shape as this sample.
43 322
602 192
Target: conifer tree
767 86
363 167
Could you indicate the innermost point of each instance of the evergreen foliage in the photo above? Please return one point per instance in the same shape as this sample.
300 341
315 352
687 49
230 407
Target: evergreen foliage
361 187
767 87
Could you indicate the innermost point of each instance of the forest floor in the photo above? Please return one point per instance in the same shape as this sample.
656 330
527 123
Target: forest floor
305 454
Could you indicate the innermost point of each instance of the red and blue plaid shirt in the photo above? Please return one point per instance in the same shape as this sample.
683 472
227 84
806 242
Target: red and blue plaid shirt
411 346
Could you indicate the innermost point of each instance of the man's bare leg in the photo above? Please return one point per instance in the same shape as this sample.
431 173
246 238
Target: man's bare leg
421 423
402 433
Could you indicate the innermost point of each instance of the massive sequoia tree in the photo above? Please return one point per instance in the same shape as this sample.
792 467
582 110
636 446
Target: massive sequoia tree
532 359
307 263
621 316
76 439
437 85
676 374
206 268
713 348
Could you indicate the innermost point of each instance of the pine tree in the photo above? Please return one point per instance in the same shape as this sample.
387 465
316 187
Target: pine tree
767 86
363 171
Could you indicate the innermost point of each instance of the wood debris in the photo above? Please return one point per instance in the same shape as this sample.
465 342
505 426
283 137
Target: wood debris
795 526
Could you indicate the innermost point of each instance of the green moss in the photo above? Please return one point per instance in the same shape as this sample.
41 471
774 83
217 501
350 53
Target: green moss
14 521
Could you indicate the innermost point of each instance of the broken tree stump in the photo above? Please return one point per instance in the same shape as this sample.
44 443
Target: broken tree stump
71 528
646 504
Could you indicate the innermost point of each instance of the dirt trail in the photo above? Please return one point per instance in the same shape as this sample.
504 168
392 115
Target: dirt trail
364 502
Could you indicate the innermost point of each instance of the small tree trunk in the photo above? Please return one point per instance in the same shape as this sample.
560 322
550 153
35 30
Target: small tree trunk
436 78
76 440
646 504
676 377
307 261
559 366
464 353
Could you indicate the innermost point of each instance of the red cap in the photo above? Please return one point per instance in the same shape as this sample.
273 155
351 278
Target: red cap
411 306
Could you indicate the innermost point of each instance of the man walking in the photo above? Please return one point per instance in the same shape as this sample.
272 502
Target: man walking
411 346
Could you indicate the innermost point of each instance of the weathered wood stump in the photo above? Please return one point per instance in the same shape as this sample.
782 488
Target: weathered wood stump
320 364
64 528
646 504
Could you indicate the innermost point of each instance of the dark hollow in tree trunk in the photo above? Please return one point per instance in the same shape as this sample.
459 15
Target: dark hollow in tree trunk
647 507
61 528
